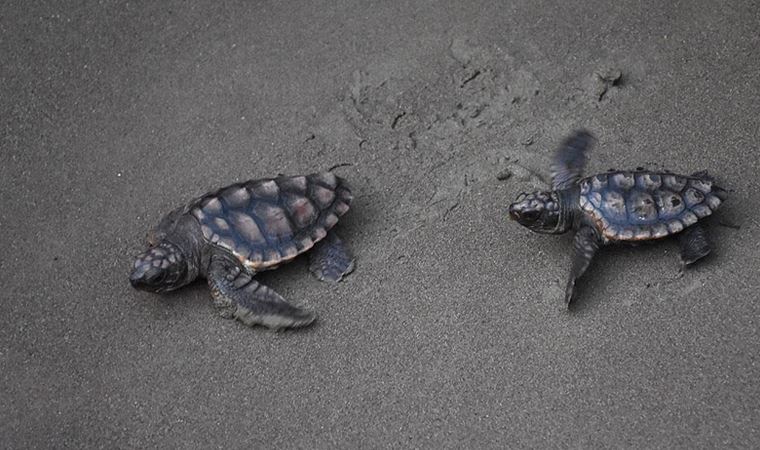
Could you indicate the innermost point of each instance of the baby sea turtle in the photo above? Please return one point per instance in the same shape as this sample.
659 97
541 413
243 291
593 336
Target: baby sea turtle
229 235
617 206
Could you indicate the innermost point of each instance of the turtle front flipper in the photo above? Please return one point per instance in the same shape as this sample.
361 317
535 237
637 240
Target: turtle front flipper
570 159
586 243
694 244
238 295
330 259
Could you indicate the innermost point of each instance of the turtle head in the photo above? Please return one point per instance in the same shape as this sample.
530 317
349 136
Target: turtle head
161 268
539 211
172 259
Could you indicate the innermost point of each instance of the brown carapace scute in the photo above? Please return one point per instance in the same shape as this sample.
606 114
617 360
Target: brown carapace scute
229 235
268 222
636 206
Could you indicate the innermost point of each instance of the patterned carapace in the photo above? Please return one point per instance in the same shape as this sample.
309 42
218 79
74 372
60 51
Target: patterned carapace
229 235
634 206
267 222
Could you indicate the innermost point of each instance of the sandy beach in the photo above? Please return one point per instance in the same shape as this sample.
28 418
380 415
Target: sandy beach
451 332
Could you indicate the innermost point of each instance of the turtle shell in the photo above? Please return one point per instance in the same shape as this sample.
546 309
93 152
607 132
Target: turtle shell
635 206
267 222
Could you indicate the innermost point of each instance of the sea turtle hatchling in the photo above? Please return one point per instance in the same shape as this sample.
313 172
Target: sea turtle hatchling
617 206
229 235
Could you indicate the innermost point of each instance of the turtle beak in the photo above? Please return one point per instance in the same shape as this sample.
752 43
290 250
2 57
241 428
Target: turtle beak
134 279
514 214
144 275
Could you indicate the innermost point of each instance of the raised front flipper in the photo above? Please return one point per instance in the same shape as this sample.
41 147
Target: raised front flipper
238 295
694 244
586 244
331 259
570 159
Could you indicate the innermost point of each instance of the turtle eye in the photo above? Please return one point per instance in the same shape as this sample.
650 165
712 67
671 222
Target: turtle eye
157 277
531 214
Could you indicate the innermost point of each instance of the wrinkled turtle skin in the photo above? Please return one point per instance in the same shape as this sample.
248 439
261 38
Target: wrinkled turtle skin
618 206
229 235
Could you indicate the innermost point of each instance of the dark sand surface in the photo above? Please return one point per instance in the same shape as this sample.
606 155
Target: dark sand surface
451 332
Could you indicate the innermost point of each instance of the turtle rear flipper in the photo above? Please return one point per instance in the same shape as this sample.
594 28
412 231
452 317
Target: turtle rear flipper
703 175
330 259
718 191
238 295
694 244
570 159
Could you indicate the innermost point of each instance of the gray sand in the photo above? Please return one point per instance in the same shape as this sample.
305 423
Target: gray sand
451 332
